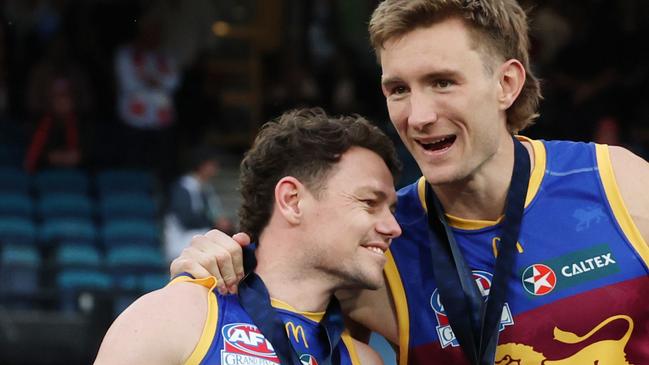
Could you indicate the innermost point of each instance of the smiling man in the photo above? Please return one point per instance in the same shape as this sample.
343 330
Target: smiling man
498 260
321 224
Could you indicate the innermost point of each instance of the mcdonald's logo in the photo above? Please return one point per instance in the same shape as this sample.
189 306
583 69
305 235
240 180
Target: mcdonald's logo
297 332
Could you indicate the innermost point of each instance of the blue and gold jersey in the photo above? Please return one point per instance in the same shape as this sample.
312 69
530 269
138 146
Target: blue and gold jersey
577 293
230 337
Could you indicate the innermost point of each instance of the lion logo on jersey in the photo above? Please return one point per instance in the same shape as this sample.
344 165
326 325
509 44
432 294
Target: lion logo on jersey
587 216
606 352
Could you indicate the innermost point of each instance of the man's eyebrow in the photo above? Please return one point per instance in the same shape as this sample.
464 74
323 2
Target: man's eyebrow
390 81
378 194
441 73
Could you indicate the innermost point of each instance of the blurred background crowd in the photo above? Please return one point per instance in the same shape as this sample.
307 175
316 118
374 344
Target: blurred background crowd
122 123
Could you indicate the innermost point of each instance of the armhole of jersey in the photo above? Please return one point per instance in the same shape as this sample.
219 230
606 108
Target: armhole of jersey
614 197
349 344
211 321
401 305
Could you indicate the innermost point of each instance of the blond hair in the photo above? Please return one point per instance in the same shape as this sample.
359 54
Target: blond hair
498 27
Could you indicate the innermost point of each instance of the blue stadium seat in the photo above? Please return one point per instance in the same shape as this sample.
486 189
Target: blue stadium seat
14 180
135 270
16 204
120 181
138 259
65 205
76 283
80 274
71 255
59 231
130 232
19 275
17 231
62 181
85 279
153 281
127 205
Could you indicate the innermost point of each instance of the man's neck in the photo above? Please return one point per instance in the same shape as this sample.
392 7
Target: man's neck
301 288
482 196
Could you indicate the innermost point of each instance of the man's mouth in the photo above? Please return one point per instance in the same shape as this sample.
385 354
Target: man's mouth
438 144
378 249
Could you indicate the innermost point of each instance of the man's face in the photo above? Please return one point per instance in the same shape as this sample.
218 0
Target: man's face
349 224
443 100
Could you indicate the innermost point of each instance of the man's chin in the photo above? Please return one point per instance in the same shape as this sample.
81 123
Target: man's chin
366 282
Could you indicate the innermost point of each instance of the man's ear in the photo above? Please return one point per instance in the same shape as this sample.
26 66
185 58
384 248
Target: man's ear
288 193
512 80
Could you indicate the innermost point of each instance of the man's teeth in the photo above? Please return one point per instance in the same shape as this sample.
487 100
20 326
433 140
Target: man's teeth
438 140
375 249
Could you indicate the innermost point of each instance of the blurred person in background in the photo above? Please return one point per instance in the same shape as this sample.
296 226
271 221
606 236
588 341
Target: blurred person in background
59 98
194 206
147 77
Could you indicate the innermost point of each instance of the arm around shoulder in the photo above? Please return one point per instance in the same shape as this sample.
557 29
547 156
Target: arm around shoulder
632 177
372 309
162 327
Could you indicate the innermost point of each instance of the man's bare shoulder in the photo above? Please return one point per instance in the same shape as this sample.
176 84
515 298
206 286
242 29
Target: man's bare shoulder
161 327
366 354
632 177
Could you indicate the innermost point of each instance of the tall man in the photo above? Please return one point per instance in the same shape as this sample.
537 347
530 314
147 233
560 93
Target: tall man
458 85
299 180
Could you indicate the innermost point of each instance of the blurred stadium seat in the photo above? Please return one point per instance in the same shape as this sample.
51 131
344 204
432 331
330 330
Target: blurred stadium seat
130 232
135 270
14 180
120 181
15 230
113 206
65 205
19 274
16 204
62 230
61 181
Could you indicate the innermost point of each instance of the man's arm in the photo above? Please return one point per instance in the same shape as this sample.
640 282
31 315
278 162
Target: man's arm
366 354
162 327
216 254
372 309
632 177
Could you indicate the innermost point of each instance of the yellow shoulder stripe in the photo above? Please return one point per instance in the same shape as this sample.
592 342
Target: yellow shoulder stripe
211 322
349 343
401 305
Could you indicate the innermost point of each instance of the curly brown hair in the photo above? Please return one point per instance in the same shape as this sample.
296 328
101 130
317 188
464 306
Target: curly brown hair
498 28
305 144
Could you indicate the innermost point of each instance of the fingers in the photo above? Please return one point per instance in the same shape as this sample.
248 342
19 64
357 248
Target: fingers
199 264
242 239
219 257
214 254
183 264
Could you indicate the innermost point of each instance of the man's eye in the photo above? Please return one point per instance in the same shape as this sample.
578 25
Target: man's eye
369 202
398 90
442 84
